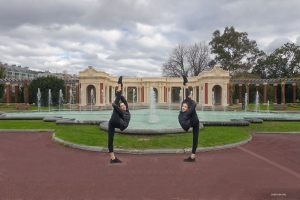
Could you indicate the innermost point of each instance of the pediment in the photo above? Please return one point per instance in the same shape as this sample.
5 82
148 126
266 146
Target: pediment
216 71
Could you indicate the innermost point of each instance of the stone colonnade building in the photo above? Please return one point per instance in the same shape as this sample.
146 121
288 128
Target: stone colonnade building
208 88
265 82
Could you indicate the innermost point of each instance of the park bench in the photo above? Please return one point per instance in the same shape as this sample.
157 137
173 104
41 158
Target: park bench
25 106
279 106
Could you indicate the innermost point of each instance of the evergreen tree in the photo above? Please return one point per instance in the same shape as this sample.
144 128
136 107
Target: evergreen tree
44 84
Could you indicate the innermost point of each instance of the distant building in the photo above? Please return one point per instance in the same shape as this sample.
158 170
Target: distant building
18 72
58 75
23 73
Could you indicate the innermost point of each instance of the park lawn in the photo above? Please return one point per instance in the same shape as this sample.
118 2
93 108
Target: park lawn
91 135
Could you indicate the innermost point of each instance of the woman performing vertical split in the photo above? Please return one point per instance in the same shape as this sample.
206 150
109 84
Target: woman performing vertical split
119 119
188 118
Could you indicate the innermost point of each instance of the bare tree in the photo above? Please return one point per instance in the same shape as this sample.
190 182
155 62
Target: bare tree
198 57
189 61
177 64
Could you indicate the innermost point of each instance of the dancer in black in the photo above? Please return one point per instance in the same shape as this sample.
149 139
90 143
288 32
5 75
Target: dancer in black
188 118
119 119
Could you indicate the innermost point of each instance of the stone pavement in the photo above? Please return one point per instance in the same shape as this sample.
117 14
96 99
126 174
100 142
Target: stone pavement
32 166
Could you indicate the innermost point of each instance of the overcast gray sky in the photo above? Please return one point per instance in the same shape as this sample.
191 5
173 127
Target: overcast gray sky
132 38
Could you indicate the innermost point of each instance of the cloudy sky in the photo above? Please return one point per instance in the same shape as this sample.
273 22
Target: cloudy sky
132 38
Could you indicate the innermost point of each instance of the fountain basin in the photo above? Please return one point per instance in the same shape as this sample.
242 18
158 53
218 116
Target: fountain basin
168 122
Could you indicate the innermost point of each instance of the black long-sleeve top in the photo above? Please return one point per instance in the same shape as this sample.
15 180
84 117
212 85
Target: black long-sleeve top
188 118
124 114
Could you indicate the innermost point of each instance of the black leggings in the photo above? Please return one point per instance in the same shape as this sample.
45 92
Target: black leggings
111 134
195 136
113 123
194 122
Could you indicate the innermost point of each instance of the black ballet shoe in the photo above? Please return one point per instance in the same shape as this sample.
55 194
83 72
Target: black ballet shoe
189 159
120 80
116 160
184 79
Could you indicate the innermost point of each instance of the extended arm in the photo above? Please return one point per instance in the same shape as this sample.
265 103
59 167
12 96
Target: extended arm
124 101
192 107
117 109
118 97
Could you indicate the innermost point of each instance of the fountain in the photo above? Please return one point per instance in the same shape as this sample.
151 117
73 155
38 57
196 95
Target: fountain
153 118
224 104
92 99
133 97
71 100
246 102
202 101
169 99
80 98
60 99
213 102
167 123
49 100
180 98
39 99
268 105
103 96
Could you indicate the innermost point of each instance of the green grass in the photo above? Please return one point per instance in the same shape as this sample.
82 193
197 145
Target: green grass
12 107
289 106
91 135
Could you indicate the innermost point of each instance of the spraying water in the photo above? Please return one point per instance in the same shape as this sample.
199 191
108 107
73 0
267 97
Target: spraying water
39 99
60 99
103 96
246 101
213 102
169 98
153 118
49 99
133 97
202 100
224 104
80 98
71 98
180 98
92 99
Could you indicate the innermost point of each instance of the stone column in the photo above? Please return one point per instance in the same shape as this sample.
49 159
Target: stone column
282 93
106 94
137 94
275 93
16 92
240 94
294 92
147 94
160 94
126 93
8 92
199 94
77 92
265 93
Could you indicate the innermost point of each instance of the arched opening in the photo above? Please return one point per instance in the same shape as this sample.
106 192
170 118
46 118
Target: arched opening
131 94
217 95
156 94
175 94
91 95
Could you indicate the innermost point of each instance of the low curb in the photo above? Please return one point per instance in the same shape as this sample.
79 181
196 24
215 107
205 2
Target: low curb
147 151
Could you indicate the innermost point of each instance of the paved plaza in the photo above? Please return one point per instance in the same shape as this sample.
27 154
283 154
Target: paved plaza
32 166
